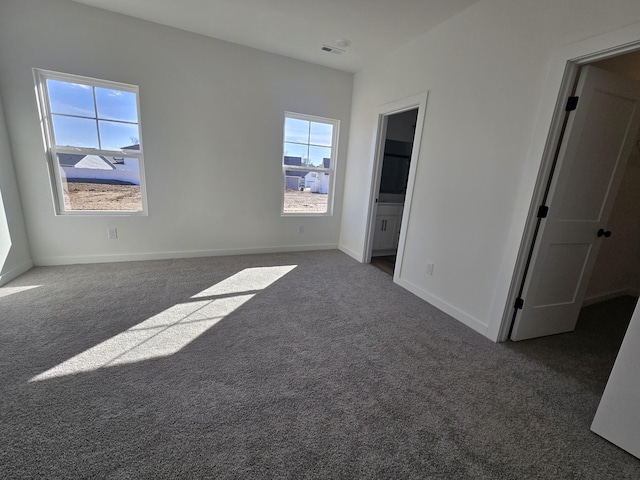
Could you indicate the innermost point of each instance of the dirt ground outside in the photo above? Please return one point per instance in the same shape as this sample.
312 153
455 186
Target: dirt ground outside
128 198
296 201
102 196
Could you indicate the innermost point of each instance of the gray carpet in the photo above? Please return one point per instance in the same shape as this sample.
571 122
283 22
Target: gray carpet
330 372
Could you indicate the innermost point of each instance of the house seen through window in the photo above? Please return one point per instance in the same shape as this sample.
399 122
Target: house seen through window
308 164
92 131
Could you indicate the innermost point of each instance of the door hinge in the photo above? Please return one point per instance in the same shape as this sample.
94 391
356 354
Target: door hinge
572 104
543 211
519 303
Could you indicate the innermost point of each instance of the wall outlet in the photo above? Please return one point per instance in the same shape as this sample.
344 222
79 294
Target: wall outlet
300 228
112 233
429 268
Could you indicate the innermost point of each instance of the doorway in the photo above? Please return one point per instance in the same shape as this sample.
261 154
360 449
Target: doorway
394 177
566 270
399 131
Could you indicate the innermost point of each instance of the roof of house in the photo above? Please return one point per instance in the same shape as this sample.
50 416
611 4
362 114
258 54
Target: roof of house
88 161
135 146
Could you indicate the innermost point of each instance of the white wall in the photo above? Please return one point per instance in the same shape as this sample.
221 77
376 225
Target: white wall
15 257
211 118
485 70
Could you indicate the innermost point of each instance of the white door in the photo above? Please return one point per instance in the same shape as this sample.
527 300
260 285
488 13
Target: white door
598 139
617 418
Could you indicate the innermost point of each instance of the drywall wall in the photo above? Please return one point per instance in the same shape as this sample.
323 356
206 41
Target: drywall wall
15 257
486 72
212 115
617 269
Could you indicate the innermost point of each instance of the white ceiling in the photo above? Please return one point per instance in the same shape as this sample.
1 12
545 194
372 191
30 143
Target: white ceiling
298 28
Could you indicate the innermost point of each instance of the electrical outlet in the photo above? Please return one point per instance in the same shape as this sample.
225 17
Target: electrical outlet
429 268
112 233
300 228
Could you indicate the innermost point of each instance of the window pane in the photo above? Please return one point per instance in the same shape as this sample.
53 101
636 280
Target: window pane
116 105
320 157
306 192
115 135
95 182
75 132
71 98
321 134
296 130
293 151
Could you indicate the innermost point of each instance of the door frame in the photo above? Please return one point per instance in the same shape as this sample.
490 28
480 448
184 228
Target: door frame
562 77
418 101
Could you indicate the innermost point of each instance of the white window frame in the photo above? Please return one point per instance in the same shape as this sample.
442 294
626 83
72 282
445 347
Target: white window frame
42 93
305 168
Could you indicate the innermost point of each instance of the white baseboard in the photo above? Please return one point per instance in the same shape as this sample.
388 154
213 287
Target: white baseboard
610 296
134 257
459 315
15 272
353 254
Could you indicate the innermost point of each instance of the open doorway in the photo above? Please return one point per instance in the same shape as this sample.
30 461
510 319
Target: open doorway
586 245
394 178
395 161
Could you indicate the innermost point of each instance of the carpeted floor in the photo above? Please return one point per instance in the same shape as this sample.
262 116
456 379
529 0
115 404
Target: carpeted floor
330 372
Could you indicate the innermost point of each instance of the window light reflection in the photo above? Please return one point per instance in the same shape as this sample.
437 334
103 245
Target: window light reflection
171 330
6 291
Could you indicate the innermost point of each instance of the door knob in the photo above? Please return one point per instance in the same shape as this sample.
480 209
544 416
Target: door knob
604 233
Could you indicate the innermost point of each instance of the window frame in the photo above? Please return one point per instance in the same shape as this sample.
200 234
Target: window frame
52 150
306 168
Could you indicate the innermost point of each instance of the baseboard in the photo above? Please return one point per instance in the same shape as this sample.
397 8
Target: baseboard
134 257
15 272
351 253
459 315
610 296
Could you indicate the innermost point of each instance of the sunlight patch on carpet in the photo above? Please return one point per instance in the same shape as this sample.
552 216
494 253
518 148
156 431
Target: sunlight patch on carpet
6 291
248 280
170 331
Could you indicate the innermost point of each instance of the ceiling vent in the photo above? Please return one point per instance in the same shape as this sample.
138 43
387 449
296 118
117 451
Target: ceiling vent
327 48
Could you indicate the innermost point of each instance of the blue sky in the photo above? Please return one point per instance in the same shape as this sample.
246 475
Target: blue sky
306 139
107 119
74 114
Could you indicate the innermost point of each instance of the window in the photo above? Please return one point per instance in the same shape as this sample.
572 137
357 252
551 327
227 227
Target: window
308 164
92 135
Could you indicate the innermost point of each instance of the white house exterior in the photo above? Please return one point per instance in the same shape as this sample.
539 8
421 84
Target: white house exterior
96 167
317 182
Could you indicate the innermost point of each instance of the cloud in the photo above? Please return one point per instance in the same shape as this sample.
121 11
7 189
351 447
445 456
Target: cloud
84 87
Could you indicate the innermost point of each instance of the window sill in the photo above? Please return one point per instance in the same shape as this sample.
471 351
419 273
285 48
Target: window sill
101 213
306 214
